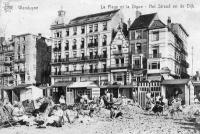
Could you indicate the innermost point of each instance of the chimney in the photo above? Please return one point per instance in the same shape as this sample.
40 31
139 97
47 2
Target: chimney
169 22
12 36
138 14
129 23
39 35
197 75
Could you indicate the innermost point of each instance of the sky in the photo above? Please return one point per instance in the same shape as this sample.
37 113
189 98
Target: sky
41 14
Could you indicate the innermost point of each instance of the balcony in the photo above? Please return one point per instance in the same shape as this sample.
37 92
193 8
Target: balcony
136 66
20 60
158 55
90 45
21 71
7 63
120 66
81 72
117 52
57 49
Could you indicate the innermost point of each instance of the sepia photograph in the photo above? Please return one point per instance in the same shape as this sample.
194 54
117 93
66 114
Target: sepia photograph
99 67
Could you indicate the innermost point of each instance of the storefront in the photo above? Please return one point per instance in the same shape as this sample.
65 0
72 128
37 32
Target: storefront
77 89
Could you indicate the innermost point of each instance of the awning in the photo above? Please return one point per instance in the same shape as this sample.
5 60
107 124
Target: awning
22 86
175 82
86 84
61 84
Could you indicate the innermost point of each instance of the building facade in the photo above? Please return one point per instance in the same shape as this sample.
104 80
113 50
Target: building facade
159 51
7 62
81 47
31 59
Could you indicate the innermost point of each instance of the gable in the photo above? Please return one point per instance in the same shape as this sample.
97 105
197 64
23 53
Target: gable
157 24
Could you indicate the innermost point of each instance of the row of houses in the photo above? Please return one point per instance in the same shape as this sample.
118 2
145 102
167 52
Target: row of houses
101 49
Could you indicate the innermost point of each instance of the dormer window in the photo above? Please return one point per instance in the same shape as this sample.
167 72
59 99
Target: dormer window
104 26
95 27
75 30
82 29
90 28
67 32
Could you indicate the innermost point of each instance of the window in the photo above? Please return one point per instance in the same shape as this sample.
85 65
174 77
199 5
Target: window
122 60
104 40
95 27
59 45
119 47
138 34
82 29
138 48
117 61
132 34
137 62
82 55
104 26
67 69
154 65
104 53
155 36
74 79
90 28
82 43
74 54
67 45
119 78
67 56
91 55
74 46
91 68
75 30
67 32
156 52
74 66
96 40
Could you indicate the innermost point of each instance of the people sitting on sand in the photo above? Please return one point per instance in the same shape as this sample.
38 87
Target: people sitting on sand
55 118
19 114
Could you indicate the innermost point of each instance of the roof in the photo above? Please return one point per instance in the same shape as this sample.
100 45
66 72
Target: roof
86 84
181 28
61 84
175 82
7 87
103 16
142 21
157 24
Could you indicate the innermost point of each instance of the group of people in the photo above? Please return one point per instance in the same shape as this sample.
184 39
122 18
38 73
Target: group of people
159 104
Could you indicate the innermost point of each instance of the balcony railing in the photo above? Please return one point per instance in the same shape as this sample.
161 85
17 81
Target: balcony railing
136 66
7 63
80 72
95 44
20 71
57 49
117 52
80 59
20 60
120 66
158 55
